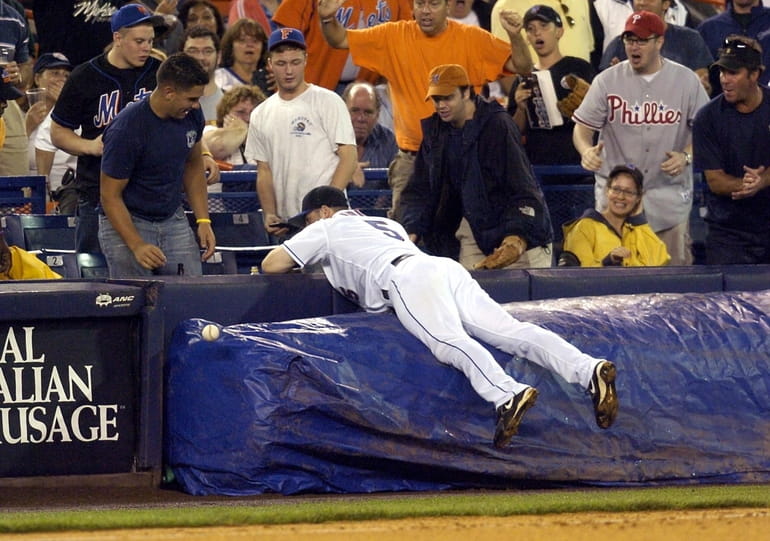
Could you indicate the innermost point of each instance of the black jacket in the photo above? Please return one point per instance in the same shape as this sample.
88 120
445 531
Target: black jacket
499 194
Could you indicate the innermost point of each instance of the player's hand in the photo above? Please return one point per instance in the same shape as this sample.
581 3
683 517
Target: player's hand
674 164
619 254
271 219
511 21
211 169
753 181
149 256
328 8
591 159
521 96
207 240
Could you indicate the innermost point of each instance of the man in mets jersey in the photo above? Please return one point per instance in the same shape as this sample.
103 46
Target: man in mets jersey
373 263
643 109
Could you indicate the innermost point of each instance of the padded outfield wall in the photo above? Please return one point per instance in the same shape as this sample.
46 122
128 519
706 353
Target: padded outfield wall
353 403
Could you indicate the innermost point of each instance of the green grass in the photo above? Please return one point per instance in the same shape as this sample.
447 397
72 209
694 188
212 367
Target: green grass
366 508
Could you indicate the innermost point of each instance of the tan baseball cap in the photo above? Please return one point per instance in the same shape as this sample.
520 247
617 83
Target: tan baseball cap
444 79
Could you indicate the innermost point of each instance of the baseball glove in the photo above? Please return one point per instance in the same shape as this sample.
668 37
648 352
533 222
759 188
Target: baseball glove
507 253
578 88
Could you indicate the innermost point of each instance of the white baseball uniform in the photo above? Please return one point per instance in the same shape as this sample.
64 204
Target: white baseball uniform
371 261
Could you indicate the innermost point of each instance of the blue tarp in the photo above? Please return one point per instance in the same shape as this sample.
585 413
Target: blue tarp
354 403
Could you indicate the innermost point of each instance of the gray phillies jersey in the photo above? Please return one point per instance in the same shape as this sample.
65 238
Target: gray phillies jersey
641 117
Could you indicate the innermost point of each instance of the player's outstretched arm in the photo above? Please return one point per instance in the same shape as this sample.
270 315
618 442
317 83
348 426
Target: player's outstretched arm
278 261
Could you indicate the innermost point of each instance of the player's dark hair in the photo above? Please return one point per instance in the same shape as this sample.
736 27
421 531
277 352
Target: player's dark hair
629 170
200 32
182 71
463 88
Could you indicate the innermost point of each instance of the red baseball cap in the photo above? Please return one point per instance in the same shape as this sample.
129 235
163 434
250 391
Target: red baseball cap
644 24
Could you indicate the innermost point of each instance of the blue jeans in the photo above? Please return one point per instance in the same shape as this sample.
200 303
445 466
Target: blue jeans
173 235
87 227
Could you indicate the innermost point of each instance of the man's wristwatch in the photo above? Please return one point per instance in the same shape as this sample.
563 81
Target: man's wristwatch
687 157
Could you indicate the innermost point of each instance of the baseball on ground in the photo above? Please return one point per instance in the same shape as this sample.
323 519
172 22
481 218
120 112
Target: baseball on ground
210 333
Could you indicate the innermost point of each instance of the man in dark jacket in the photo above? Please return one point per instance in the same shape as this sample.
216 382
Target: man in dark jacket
473 196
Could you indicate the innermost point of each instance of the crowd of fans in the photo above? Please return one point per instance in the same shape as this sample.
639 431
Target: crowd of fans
311 92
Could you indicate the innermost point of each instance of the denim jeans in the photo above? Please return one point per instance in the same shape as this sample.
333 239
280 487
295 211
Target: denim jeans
87 227
173 235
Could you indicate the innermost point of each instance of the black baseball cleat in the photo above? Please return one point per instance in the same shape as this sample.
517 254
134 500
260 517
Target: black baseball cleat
509 415
602 391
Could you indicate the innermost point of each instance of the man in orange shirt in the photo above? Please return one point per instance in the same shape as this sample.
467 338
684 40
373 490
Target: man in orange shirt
405 52
326 66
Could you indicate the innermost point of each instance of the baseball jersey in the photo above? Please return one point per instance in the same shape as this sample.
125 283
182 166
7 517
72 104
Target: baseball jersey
298 138
151 152
726 139
405 56
640 118
355 252
325 63
93 95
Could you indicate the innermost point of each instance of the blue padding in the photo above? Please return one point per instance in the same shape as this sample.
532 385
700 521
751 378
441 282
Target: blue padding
353 403
582 281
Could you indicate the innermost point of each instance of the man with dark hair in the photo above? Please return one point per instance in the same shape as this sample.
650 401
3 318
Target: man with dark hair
203 45
372 262
473 196
152 152
730 145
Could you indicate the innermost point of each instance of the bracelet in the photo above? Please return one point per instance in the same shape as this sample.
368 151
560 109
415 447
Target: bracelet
207 153
327 20
687 157
203 221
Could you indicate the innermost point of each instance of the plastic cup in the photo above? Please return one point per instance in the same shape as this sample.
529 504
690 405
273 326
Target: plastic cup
35 95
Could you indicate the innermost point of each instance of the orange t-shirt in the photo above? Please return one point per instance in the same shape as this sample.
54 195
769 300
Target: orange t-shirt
405 55
324 63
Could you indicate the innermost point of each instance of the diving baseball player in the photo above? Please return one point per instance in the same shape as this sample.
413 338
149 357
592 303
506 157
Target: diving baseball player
372 262
643 109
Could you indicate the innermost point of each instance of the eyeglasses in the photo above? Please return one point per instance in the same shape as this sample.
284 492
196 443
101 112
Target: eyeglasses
614 190
207 51
565 9
633 40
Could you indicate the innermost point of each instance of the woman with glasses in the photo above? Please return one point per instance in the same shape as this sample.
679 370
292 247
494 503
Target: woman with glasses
244 57
620 235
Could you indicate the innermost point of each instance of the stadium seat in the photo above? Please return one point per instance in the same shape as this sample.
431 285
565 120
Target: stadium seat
242 234
91 266
34 232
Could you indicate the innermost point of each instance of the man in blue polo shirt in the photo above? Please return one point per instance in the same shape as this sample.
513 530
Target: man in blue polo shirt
152 153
